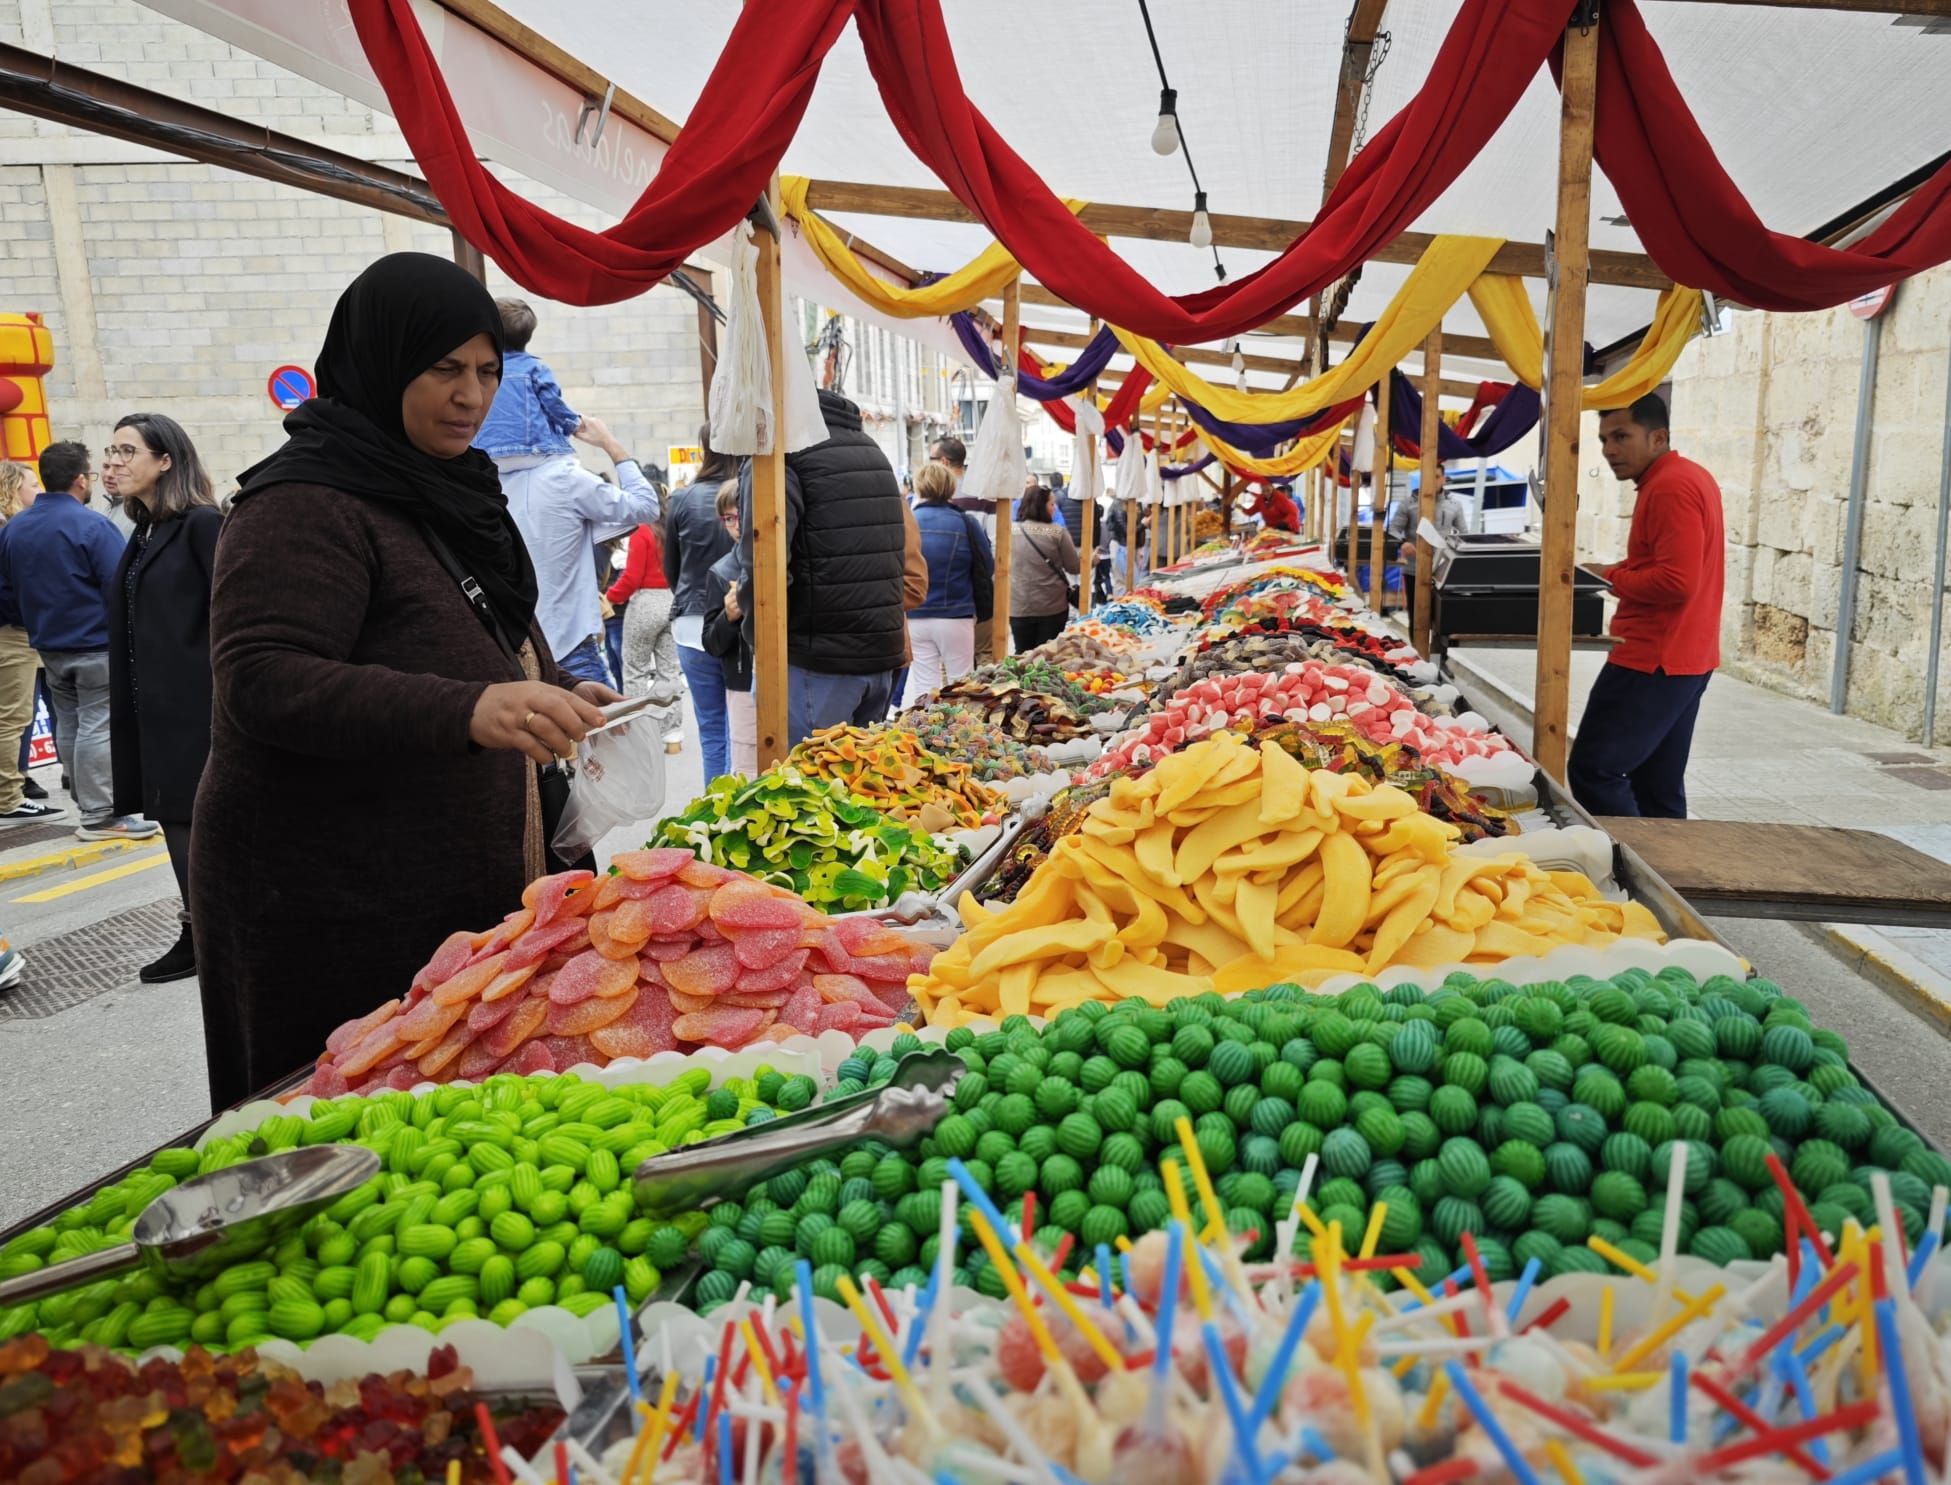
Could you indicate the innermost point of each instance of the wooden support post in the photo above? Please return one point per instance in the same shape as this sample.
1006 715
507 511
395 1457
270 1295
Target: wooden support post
1005 507
769 518
1378 500
1432 471
1352 545
469 256
1092 482
1565 390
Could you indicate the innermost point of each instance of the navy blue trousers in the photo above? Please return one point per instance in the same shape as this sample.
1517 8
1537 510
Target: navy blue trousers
1630 756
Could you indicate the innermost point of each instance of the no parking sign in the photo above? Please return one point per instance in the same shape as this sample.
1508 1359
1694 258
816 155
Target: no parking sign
289 386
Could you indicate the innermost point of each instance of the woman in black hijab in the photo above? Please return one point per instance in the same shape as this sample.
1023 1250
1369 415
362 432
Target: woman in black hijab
380 687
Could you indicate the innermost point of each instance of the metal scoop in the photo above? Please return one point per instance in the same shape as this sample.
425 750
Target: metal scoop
900 1111
210 1222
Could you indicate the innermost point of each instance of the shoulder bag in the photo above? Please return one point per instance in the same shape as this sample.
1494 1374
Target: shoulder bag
1069 582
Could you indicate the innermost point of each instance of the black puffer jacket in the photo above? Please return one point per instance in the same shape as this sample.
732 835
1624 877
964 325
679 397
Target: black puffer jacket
697 539
844 544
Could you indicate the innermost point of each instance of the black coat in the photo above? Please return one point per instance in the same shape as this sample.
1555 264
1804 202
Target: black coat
159 665
845 545
725 637
697 538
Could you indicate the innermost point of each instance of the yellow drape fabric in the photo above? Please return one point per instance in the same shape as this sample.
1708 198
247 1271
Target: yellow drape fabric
1440 278
983 277
1505 308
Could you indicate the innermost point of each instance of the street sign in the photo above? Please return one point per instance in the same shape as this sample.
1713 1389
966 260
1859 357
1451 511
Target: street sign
289 386
684 463
1869 306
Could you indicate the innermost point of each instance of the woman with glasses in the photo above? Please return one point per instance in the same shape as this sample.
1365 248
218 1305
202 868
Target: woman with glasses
159 644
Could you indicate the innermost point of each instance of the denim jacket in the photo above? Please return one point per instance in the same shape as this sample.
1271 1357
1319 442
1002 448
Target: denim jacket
959 562
529 416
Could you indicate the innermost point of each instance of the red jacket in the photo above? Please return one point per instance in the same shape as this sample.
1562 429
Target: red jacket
642 568
1276 509
1669 586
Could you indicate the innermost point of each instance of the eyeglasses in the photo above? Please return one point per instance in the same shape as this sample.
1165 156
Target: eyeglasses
121 453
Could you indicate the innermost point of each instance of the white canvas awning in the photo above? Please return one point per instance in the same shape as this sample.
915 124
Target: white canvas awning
1811 111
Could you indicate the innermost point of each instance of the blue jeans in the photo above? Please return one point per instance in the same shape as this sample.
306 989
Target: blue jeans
1630 755
897 691
706 679
613 646
815 700
586 662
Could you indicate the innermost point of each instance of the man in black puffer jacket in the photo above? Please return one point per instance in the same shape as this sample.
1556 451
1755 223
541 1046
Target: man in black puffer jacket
845 627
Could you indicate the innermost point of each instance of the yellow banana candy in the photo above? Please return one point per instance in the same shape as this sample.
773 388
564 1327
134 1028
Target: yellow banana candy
1229 867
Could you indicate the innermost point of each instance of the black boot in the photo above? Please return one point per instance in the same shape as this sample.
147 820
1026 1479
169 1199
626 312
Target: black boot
178 964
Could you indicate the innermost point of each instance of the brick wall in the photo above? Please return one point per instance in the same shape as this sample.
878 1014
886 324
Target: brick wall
1770 407
200 281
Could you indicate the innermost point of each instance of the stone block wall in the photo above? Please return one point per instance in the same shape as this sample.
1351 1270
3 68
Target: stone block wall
1770 408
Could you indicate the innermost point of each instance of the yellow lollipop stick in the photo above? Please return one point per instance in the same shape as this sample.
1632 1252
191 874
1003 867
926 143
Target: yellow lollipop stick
1370 1238
659 1423
1202 1182
1061 1298
753 1349
1013 1285
890 1353
1605 1323
1672 1326
1561 1460
1175 1195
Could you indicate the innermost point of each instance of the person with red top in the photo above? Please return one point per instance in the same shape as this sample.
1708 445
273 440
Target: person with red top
649 643
1630 757
1275 508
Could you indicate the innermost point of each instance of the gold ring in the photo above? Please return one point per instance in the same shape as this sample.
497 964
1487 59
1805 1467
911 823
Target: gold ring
526 720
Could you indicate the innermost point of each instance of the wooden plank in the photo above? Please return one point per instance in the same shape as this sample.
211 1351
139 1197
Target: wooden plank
544 53
1159 224
1565 348
1803 871
1087 551
469 256
1426 501
1378 500
1005 508
1940 8
769 520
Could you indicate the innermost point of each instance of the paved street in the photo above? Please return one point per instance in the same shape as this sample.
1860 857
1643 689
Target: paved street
100 1069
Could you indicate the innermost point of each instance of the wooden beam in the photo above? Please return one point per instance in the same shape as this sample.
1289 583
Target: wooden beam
1266 234
1357 46
552 59
1565 351
769 522
469 256
1426 501
1005 507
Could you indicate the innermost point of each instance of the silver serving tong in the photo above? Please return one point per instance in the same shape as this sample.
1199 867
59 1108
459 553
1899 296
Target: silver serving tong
933 918
900 1111
202 1226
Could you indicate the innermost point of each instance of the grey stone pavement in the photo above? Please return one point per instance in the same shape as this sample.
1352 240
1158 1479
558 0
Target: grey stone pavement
96 1070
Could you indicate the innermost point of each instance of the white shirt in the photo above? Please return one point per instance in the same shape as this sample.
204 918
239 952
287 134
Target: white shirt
563 511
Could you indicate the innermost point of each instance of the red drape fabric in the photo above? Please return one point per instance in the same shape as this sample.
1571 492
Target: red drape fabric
1492 51
719 167
1693 219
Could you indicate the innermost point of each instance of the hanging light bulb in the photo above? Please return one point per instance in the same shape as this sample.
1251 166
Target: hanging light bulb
1165 135
1239 358
1202 225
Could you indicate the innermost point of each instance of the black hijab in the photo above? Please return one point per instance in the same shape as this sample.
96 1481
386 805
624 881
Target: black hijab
395 320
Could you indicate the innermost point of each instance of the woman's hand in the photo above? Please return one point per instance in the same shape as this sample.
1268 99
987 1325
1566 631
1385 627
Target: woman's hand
543 721
598 694
731 604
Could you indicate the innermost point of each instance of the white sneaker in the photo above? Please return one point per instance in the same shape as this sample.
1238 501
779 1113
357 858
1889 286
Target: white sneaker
124 827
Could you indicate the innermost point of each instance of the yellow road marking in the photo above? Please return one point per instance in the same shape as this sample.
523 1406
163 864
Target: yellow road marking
82 884
87 853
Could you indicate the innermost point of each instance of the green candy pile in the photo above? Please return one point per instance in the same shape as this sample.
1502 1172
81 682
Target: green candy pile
810 836
490 1201
1532 1118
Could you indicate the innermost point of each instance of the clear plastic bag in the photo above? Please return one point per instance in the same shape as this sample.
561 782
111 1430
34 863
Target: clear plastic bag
617 780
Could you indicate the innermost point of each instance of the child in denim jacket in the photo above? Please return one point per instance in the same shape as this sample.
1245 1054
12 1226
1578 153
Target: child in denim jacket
529 419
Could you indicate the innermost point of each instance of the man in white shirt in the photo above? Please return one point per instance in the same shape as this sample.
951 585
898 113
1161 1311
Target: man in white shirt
564 512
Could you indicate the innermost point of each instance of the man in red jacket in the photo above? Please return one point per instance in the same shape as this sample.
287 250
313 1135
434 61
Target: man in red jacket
1630 757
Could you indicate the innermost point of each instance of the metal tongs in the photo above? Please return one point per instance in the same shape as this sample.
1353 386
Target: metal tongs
932 917
900 1111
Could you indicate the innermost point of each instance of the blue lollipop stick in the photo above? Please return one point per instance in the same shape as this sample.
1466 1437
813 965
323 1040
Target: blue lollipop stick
1891 1350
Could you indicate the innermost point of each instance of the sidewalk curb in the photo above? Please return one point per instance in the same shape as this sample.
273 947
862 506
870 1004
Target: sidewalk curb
82 853
1905 978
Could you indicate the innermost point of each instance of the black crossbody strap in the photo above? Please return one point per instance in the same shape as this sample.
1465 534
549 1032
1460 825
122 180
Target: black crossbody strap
471 590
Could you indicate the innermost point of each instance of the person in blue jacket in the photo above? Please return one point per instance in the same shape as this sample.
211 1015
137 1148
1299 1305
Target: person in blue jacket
961 580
